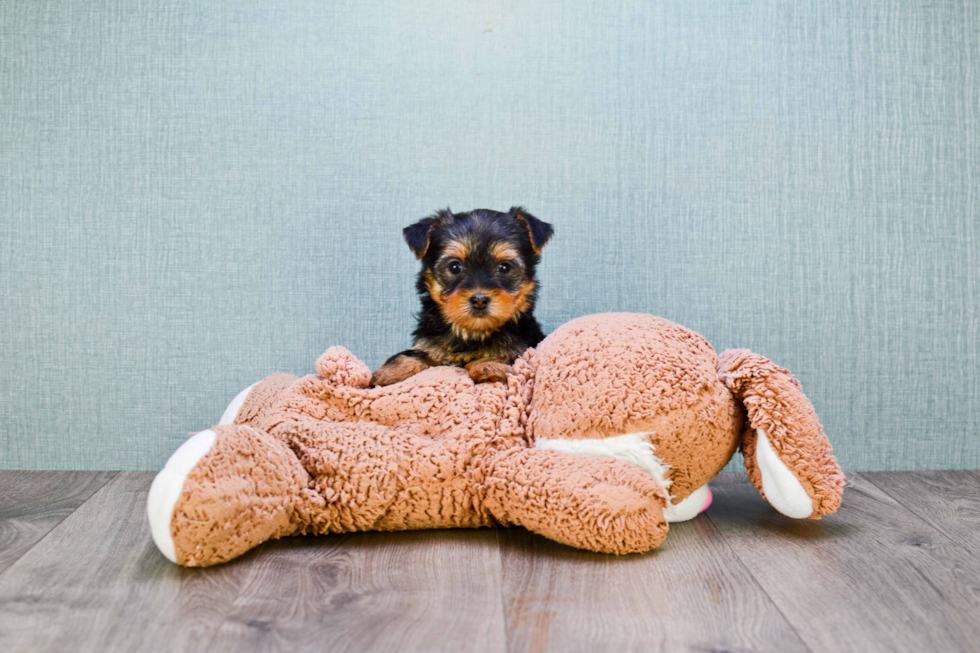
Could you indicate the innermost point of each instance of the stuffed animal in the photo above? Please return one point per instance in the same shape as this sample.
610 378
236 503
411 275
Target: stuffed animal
604 434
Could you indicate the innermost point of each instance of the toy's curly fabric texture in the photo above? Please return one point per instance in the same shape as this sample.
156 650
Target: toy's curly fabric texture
391 459
325 453
578 500
249 488
664 382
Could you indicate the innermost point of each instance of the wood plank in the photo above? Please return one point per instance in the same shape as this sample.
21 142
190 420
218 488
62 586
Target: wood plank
407 591
949 501
690 594
32 503
872 577
97 583
897 568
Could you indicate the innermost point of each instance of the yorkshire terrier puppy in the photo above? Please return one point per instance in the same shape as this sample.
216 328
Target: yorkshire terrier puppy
477 289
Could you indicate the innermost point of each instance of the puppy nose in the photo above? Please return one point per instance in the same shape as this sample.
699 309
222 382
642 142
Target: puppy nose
479 301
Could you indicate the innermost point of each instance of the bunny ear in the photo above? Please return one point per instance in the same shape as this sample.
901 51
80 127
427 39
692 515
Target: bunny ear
538 232
419 235
787 455
340 367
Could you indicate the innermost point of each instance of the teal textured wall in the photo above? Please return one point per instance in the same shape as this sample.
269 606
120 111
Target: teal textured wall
194 195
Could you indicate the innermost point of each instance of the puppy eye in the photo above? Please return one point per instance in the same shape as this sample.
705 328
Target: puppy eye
455 267
504 268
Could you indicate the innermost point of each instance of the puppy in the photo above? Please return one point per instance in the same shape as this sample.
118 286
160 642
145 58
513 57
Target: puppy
478 291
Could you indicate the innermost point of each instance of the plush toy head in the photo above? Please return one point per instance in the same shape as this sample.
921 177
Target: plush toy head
604 381
643 375
604 433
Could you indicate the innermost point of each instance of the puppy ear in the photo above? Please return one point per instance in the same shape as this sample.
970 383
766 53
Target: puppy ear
419 235
539 232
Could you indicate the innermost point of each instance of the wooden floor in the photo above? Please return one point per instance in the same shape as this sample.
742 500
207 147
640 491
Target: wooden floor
896 569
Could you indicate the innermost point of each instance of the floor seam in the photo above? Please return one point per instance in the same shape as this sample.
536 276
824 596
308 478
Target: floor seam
250 573
925 520
755 580
503 601
60 522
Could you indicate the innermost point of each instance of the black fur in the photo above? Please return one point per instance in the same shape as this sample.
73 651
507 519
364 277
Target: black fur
438 341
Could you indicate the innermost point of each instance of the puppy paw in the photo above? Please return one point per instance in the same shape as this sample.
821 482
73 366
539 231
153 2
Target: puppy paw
386 376
397 368
489 371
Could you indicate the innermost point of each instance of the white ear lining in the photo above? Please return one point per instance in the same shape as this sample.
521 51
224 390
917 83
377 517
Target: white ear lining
783 490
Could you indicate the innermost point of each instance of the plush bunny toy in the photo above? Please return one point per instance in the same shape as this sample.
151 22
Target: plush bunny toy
606 432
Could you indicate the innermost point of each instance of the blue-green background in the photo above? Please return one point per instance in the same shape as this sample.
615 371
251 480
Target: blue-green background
194 195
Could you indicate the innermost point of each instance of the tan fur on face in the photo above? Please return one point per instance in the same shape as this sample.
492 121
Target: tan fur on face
434 288
504 252
455 249
456 308
521 297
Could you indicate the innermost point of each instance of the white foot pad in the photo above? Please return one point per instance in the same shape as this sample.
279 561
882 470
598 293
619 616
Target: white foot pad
693 505
231 412
781 486
167 487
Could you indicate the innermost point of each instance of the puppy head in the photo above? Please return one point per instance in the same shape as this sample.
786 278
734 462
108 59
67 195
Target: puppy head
479 266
